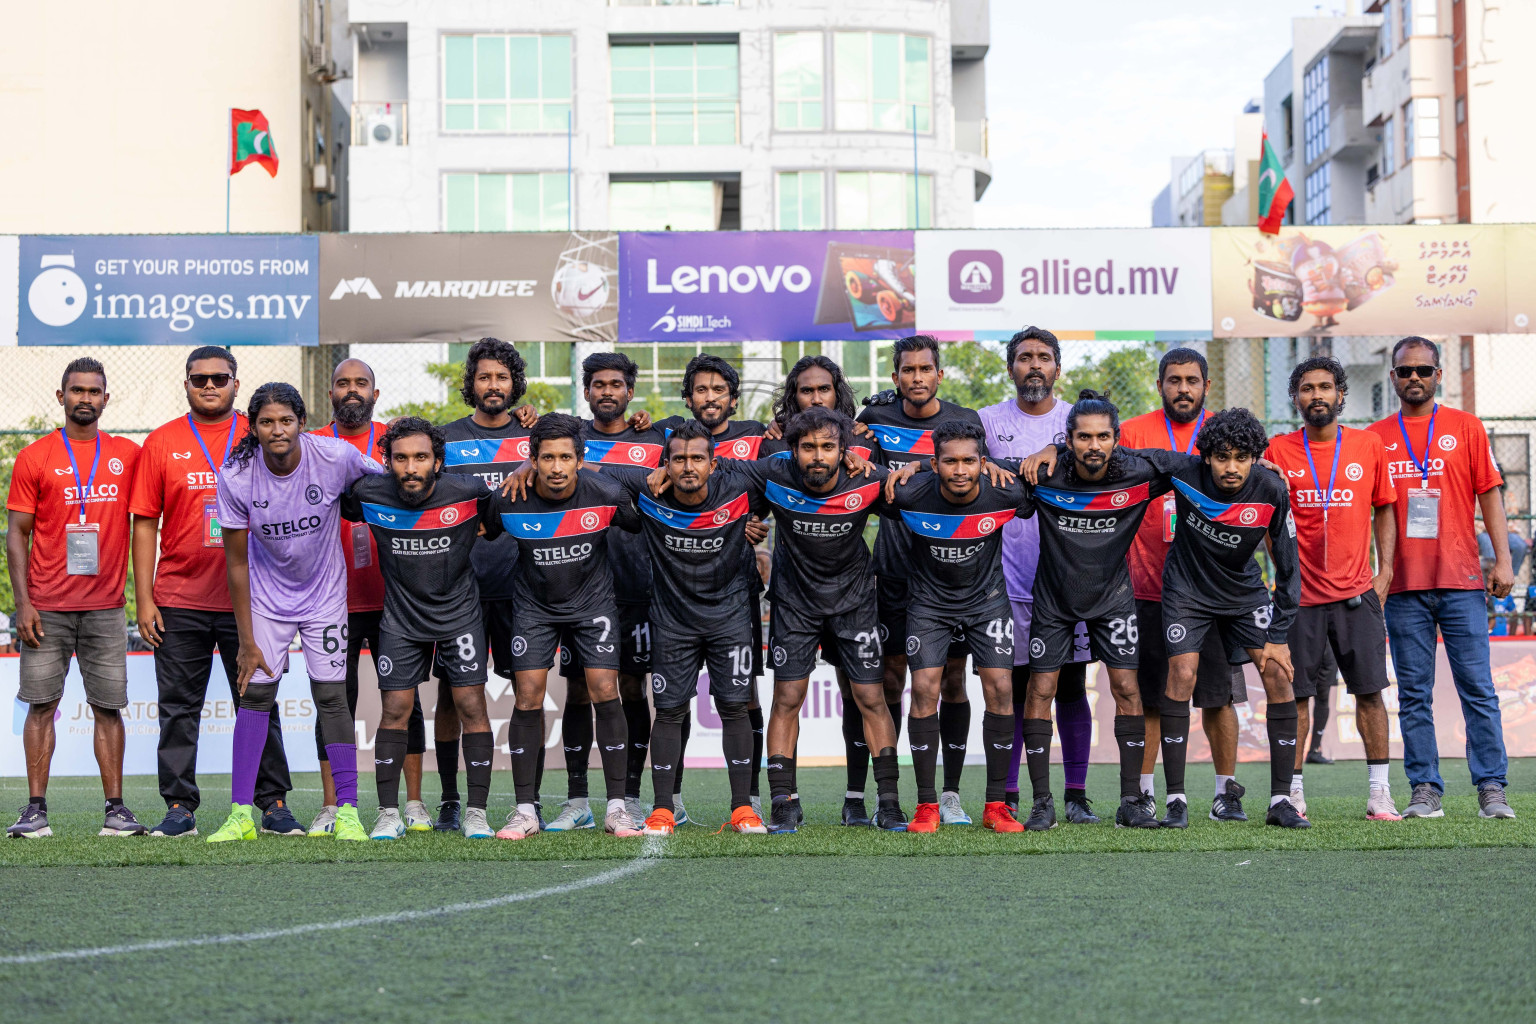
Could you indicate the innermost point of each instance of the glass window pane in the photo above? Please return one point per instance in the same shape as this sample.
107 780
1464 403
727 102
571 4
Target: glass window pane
529 350
717 83
556 117
523 60
631 124
458 68
916 69
885 66
524 117
810 201
888 117
459 202
557 358
852 200
717 124
789 202
674 124
556 202
631 82
491 117
629 56
525 202
492 190
555 67
810 114
786 115
850 86
460 117
490 67
889 204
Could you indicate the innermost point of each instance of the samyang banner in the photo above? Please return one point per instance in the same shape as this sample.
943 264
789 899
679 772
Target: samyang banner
766 285
517 286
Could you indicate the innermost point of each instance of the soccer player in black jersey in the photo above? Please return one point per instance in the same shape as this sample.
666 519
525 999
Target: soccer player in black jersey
955 516
563 584
903 428
1227 506
425 525
1091 496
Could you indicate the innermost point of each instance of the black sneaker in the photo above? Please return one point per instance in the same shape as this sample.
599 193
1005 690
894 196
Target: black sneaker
1177 816
794 804
1134 813
448 817
782 820
1318 757
1148 803
278 820
1285 815
1229 806
854 813
1080 812
1012 800
890 818
33 824
178 821
1042 815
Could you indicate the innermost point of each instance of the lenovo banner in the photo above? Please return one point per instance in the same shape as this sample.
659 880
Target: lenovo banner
766 286
517 286
989 284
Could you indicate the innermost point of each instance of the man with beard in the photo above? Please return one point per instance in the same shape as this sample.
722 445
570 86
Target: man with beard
1437 583
1018 427
904 427
1341 493
183 604
67 546
1182 381
425 524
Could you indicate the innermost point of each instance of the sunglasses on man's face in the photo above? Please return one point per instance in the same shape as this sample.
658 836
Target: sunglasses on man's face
1404 372
202 380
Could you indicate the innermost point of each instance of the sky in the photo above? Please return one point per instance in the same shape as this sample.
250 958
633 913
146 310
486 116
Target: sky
1088 101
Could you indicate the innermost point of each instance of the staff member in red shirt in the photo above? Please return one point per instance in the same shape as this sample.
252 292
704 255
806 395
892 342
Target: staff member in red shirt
183 603
67 545
1341 494
1442 466
353 397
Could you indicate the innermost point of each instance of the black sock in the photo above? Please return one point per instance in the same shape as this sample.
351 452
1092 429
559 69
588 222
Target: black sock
781 775
448 767
526 738
755 717
613 745
1131 738
114 803
576 732
736 742
887 776
896 716
388 760
682 755
666 753
538 770
1175 729
637 720
954 727
478 751
856 750
1281 719
1037 755
41 801
924 736
997 737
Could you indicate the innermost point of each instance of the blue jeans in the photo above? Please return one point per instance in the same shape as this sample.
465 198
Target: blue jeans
1462 617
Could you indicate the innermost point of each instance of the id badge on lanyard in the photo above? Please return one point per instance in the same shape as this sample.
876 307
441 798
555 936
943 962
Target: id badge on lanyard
1170 516
362 553
82 549
1170 506
1424 513
213 533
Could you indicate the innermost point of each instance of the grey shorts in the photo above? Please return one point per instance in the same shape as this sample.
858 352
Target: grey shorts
98 638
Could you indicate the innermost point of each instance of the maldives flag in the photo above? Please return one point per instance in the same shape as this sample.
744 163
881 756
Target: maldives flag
1275 192
250 141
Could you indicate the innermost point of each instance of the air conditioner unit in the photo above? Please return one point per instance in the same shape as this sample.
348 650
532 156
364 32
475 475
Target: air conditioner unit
383 126
321 180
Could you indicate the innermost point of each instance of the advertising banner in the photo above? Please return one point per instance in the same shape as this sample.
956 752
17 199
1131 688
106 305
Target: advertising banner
1078 283
10 257
1519 272
168 289
517 286
729 286
1382 280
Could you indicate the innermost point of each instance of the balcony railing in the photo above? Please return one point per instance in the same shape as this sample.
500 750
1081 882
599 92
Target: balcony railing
379 124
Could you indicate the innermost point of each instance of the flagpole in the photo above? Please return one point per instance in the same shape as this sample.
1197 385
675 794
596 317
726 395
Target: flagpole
229 122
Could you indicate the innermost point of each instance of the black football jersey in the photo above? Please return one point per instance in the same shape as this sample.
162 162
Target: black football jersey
957 550
490 453
627 554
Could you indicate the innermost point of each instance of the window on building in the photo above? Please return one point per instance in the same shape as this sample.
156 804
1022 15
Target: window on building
800 200
873 200
506 202
1314 111
506 83
1385 45
879 79
798 82
664 205
674 94
1405 17
1319 201
1388 147
1426 126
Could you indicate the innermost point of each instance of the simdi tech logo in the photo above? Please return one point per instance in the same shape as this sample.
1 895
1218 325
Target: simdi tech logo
976 275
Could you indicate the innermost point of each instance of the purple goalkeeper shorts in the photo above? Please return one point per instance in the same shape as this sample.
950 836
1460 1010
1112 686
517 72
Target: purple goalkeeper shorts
324 641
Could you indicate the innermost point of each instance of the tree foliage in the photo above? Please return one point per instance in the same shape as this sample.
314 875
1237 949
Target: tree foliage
1128 374
975 374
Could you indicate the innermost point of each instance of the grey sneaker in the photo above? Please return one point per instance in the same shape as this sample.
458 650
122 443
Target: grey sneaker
679 815
1491 802
1425 803
324 823
950 810
417 817
757 805
121 822
635 809
33 824
475 824
389 826
575 813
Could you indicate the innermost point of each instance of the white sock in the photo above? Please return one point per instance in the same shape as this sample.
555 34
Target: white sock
1276 799
851 795
794 796
578 801
1221 784
950 792
1296 783
1171 797
616 804
1147 785
527 809
1378 774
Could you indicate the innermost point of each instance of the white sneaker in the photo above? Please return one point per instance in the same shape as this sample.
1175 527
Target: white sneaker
1299 801
619 823
679 815
389 826
417 817
520 825
574 814
475 825
950 810
1380 806
324 823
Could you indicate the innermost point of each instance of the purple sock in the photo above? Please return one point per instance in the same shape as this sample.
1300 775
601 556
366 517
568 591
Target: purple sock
1074 722
1017 753
343 758
250 740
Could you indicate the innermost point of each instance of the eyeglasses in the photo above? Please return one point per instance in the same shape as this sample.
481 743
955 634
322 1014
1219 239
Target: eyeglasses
202 380
1404 372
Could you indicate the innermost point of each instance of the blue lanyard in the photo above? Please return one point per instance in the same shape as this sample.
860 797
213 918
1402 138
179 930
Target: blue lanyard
369 451
228 445
82 489
1338 446
1173 445
1429 442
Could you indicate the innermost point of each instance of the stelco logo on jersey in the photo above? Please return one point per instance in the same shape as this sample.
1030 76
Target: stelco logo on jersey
290 527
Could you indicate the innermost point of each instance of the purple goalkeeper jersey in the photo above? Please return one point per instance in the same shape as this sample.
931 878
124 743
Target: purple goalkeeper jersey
1013 434
298 571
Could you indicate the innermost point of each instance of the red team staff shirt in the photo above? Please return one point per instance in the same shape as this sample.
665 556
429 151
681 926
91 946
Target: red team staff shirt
1461 466
43 484
1336 561
177 482
365 583
1150 548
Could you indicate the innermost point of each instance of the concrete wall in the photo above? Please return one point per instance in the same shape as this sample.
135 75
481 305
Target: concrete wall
1501 83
